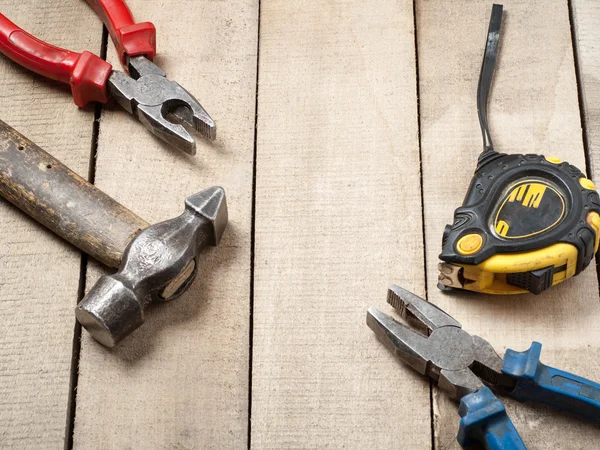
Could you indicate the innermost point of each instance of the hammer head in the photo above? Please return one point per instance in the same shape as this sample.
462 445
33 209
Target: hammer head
159 264
210 204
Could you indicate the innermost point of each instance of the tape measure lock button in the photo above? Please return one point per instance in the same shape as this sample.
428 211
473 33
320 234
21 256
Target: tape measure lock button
469 244
534 281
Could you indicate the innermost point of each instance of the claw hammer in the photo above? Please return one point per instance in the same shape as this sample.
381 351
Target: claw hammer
155 262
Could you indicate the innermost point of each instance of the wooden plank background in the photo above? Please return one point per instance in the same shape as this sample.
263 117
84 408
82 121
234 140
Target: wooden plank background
347 135
39 273
182 379
586 26
533 109
338 215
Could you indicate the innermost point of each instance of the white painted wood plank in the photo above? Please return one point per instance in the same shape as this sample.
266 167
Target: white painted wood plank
338 217
181 381
39 272
533 109
586 24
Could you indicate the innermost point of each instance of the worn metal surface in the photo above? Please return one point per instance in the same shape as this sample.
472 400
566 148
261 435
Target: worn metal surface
159 265
453 358
162 105
58 198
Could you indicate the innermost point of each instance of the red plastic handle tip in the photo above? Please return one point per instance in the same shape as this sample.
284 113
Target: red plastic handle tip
136 40
130 38
88 79
86 73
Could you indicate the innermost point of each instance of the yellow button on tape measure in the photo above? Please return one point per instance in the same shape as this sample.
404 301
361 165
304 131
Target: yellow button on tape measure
588 184
469 244
527 222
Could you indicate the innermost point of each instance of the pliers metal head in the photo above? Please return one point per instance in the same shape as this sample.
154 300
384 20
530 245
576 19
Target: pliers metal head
457 361
162 105
466 366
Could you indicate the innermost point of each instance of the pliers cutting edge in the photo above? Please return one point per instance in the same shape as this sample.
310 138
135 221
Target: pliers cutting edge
163 106
465 365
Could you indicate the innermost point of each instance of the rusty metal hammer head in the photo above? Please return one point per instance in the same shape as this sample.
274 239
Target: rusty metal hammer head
158 265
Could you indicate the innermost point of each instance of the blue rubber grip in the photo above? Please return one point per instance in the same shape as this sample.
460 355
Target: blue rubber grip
540 383
484 421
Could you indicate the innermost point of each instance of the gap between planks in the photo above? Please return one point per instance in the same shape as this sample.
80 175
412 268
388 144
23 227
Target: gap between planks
582 108
91 174
431 413
252 236
76 350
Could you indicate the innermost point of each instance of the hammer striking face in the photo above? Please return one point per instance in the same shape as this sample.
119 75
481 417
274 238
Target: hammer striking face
158 265
156 262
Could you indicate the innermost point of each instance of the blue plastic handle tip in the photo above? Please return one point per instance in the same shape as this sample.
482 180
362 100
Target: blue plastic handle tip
484 421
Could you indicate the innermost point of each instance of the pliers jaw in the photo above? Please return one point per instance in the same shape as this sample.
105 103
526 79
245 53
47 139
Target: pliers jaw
418 312
457 361
162 105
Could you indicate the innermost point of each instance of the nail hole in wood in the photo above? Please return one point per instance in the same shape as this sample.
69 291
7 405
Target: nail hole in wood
21 148
49 166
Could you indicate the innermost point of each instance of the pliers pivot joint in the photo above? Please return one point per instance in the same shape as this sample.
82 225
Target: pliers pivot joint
466 367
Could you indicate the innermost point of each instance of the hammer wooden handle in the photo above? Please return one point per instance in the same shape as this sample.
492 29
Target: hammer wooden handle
60 199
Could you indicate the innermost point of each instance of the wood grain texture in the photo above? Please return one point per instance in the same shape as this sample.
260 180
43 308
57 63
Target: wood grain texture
38 271
338 218
586 25
181 380
533 109
66 203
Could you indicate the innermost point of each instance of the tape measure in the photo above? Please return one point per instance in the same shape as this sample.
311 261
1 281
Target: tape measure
527 222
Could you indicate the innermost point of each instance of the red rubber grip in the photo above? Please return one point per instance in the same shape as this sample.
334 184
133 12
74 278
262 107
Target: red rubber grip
130 38
85 72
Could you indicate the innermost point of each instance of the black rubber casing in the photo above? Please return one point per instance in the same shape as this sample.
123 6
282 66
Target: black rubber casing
494 174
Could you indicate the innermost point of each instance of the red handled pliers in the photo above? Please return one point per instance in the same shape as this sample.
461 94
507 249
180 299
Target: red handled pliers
163 106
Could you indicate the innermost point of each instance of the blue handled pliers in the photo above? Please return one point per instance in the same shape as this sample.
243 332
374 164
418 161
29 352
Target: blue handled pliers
465 365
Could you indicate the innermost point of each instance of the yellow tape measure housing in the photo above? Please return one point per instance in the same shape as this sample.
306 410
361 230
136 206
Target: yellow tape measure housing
527 222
